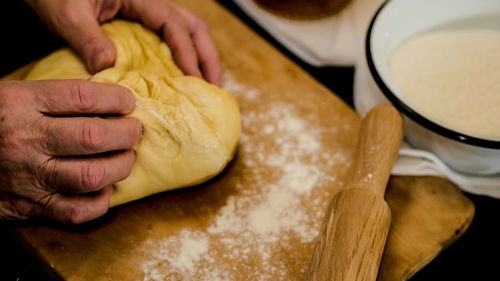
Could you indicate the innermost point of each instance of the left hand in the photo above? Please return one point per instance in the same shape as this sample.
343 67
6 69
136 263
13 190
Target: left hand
186 34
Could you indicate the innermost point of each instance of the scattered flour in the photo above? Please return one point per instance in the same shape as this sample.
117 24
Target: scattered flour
247 237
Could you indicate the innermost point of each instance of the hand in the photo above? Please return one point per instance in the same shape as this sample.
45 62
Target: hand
56 160
186 34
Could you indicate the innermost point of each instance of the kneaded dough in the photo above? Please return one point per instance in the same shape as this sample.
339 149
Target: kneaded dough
190 127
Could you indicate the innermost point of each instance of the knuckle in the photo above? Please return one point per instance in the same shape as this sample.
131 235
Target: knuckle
40 134
8 141
201 24
50 177
92 176
177 20
15 208
14 144
43 206
109 9
46 176
8 87
67 14
93 135
78 214
12 95
84 97
6 91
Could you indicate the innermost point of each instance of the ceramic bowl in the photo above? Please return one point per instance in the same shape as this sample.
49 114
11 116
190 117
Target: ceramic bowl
395 22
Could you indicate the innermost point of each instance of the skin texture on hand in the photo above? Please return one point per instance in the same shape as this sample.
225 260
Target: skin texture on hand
186 34
57 159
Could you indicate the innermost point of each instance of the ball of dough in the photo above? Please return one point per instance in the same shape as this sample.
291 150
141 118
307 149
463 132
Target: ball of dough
190 127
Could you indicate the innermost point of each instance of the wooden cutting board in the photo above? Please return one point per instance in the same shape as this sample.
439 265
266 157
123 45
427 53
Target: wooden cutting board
258 220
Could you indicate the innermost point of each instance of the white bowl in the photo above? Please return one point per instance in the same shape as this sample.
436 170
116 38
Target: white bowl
396 21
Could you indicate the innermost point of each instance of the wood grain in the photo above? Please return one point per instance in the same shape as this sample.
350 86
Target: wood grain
357 221
283 108
428 215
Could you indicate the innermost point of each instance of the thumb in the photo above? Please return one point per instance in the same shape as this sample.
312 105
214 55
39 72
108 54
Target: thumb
76 22
89 41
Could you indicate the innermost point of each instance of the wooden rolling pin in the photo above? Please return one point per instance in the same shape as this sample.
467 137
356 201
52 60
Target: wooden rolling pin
355 228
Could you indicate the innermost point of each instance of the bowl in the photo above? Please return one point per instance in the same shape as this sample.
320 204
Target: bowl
397 21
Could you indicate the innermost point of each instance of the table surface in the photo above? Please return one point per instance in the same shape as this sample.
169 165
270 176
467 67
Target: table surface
470 256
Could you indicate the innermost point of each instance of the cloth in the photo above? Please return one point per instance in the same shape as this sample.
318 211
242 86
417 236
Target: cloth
338 40
335 40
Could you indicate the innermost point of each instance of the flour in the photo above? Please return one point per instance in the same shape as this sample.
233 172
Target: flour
179 253
452 77
190 252
268 213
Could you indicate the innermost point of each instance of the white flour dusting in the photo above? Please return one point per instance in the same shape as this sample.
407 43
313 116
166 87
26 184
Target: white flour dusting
179 253
273 208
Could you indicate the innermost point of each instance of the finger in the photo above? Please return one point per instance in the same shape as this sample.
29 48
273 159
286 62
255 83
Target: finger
69 97
208 57
162 17
82 175
178 38
76 209
207 52
73 136
79 26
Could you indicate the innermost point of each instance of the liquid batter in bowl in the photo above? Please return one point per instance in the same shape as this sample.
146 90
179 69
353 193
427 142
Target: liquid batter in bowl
452 77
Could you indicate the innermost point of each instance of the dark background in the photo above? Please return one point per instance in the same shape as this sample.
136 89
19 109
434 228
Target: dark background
23 38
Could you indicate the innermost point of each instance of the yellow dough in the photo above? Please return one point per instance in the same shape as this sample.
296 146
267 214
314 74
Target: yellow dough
190 127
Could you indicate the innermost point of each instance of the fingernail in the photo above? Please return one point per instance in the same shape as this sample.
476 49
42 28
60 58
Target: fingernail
129 100
100 60
139 128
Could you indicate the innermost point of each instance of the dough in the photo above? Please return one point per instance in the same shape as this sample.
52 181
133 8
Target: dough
190 127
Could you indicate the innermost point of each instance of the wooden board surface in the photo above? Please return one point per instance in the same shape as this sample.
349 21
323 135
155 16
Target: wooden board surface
258 220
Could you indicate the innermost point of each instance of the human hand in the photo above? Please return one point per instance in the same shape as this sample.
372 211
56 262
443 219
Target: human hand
78 22
56 160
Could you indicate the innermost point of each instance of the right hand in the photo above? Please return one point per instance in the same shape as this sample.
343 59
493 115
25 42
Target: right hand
187 34
56 160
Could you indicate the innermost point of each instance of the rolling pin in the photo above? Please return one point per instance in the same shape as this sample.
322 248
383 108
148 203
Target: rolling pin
355 228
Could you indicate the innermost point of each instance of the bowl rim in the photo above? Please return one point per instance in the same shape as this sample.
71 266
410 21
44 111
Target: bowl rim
408 111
